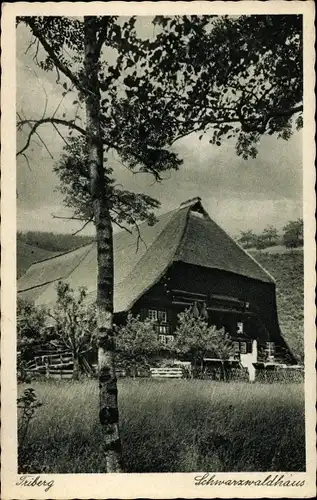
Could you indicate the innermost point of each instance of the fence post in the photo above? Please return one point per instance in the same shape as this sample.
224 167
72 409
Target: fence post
47 368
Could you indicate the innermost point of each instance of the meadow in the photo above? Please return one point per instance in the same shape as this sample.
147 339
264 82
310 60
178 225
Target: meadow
169 426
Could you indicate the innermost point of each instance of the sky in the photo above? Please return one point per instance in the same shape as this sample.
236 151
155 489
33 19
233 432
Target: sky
238 194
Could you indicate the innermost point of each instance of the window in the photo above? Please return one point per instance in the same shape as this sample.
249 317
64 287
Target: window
152 314
236 347
240 327
162 329
243 347
270 348
162 316
166 339
156 315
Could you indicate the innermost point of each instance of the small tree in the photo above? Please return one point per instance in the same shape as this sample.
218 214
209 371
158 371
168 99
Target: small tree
294 234
247 239
270 235
74 323
31 321
136 343
196 338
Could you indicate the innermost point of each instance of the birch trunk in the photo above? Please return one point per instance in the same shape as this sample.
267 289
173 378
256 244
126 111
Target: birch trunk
109 415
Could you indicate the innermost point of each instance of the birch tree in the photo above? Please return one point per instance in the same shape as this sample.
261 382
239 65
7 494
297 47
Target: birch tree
93 79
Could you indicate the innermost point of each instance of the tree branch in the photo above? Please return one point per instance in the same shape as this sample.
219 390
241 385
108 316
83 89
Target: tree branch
71 217
37 123
278 113
61 136
120 225
27 161
83 227
32 42
57 61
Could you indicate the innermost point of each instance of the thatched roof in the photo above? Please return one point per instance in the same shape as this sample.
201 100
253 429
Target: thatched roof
186 234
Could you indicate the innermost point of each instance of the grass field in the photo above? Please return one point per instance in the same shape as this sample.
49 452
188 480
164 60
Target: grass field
169 426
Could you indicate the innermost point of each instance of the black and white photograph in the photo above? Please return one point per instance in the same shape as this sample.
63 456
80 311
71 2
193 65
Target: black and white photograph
159 236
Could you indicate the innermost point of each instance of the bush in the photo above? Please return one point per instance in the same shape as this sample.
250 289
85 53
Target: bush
194 338
293 236
31 329
137 344
27 406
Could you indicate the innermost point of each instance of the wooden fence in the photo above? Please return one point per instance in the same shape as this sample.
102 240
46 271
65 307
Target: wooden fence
60 366
57 365
176 372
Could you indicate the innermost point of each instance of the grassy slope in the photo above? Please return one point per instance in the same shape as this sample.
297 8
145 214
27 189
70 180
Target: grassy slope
28 254
288 271
33 246
170 426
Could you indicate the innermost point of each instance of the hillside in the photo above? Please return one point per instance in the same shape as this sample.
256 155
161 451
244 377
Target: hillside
34 246
53 242
288 270
27 254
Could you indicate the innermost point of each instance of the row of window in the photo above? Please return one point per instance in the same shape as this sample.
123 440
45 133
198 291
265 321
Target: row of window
157 315
160 317
240 347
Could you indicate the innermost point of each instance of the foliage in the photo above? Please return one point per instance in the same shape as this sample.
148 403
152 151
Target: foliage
171 426
136 343
269 237
240 77
31 331
125 206
27 403
194 337
247 239
236 77
231 76
294 234
63 41
74 323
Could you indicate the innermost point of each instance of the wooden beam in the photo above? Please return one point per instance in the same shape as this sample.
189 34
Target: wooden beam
190 294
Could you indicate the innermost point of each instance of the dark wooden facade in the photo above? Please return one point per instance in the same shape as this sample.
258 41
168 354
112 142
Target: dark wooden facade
231 300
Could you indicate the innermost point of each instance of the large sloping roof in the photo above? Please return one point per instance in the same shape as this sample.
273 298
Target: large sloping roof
186 234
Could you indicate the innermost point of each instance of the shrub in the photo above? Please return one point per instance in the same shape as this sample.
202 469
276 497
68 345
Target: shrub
137 343
31 331
27 404
293 236
196 339
74 324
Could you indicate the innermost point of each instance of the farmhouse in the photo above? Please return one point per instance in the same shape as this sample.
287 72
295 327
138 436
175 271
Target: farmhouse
185 260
